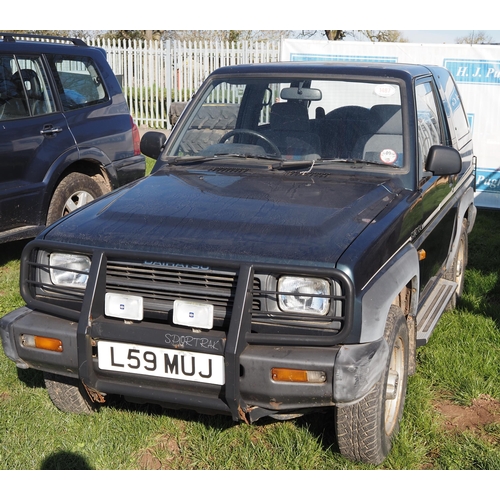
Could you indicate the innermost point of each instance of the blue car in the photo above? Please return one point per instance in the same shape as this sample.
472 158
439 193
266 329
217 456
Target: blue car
67 136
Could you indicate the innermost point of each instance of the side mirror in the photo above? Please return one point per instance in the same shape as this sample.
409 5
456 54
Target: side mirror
152 144
443 160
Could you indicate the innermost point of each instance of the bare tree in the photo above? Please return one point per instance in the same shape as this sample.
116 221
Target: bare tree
85 33
126 34
227 35
475 37
40 32
383 35
65 33
373 35
335 34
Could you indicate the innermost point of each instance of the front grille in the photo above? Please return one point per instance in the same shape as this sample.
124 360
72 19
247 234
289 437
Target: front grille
161 285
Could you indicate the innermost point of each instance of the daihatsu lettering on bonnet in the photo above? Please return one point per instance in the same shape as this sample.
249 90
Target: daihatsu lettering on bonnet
305 228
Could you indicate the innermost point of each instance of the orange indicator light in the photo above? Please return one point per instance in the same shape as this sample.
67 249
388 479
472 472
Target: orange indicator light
300 376
48 344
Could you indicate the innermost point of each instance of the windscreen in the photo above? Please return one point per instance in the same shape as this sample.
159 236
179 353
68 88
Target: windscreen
296 119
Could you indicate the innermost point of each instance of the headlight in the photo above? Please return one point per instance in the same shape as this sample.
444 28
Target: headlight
304 295
69 269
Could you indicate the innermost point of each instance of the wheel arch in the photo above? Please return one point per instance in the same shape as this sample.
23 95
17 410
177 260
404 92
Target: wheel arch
466 212
396 283
87 166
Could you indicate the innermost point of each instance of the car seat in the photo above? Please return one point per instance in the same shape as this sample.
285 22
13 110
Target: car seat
33 89
290 131
385 141
340 130
12 104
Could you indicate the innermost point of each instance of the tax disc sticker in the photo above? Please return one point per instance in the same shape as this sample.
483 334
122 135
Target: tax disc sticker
385 90
388 156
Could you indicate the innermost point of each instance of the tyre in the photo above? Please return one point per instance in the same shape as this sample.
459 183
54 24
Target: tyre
68 394
74 191
457 271
175 111
365 430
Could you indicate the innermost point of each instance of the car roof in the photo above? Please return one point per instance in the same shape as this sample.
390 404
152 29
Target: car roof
389 70
12 43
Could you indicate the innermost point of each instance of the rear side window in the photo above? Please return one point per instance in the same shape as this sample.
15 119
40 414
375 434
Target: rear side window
78 81
24 89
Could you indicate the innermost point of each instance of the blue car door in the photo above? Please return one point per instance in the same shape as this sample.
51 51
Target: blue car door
33 135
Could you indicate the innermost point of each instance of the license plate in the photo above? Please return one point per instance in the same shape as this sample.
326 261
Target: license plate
160 362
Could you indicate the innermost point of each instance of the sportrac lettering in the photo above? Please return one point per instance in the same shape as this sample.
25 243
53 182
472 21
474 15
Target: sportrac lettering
187 341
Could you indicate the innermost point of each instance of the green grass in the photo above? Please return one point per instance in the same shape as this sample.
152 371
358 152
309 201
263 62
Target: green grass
9 278
459 366
150 163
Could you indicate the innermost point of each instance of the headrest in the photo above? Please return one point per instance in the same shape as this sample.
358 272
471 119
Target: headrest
290 116
353 113
28 75
387 119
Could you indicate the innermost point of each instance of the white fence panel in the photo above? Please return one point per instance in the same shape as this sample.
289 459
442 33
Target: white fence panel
154 74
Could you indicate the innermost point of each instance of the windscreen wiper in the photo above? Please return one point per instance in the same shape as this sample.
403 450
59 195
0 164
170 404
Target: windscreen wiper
358 161
188 160
191 160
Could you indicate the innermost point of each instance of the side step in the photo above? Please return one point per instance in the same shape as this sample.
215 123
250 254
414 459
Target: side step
433 307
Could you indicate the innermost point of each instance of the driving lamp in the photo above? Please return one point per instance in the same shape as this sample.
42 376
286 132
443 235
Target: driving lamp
304 295
69 269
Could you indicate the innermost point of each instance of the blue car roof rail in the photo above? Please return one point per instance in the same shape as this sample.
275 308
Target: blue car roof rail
12 37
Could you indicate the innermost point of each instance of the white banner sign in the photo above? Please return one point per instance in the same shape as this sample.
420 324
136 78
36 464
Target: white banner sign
476 69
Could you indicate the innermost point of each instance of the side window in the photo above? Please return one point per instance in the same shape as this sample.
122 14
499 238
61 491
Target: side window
429 129
453 103
459 117
78 81
24 89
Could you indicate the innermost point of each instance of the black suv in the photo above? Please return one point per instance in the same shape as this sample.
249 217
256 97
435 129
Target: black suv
66 136
302 232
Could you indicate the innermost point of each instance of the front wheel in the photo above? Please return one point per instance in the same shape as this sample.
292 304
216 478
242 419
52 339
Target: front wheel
68 394
74 191
365 430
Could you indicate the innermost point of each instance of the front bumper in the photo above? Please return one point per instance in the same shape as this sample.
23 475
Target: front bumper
248 394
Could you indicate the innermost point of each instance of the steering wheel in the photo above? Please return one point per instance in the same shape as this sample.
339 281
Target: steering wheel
237 131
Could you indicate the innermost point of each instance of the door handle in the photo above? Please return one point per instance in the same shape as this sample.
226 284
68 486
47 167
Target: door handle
49 129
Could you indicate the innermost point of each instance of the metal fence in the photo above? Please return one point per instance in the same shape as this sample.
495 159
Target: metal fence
154 74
